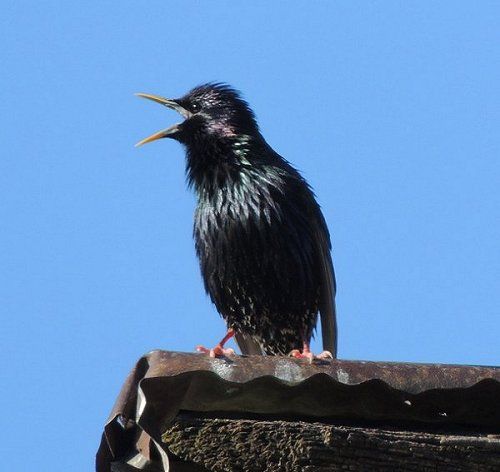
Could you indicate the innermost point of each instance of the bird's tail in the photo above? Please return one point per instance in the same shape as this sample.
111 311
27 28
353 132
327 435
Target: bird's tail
329 326
248 345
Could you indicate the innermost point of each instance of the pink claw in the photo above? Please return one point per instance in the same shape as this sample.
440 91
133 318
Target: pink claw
307 354
302 355
217 351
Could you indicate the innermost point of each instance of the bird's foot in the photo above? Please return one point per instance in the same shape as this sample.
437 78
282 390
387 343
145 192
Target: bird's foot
324 356
302 355
217 351
307 354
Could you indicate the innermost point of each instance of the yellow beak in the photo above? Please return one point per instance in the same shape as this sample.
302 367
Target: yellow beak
167 132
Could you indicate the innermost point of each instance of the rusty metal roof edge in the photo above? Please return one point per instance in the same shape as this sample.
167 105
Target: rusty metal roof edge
409 377
154 352
426 393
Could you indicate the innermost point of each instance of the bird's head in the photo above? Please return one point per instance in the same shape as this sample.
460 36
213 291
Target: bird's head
212 111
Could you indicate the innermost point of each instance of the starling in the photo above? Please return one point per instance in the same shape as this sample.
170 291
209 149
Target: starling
261 239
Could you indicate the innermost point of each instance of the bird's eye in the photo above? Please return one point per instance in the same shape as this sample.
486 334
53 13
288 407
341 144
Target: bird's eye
195 107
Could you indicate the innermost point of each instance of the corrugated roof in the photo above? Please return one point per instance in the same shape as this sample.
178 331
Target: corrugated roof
163 383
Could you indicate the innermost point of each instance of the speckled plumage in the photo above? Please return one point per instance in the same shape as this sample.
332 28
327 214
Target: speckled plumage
260 236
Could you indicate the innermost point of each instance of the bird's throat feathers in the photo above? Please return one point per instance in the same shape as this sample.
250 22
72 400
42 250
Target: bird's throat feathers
212 164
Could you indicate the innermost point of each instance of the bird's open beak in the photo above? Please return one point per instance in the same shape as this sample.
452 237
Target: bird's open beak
172 130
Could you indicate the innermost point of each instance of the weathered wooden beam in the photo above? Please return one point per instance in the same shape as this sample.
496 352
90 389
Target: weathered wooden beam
260 445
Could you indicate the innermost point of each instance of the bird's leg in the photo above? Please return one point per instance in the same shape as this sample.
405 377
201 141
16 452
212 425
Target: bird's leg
307 354
219 351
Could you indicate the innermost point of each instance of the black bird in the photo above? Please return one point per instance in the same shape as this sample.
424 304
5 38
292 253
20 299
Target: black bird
261 239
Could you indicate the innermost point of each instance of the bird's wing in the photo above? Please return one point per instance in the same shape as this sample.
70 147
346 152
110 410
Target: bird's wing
328 290
248 346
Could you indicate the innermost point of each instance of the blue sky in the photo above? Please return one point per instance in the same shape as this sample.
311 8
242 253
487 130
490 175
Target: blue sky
390 109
